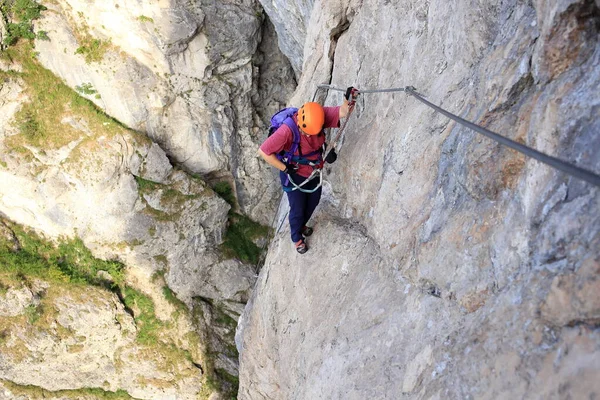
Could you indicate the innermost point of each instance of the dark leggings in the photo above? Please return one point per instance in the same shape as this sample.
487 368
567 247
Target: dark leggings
302 205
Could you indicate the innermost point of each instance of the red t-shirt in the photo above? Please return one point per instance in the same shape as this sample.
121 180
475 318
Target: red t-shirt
282 139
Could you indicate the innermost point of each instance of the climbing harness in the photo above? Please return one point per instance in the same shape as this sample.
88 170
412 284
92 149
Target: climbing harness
554 162
284 117
318 170
316 173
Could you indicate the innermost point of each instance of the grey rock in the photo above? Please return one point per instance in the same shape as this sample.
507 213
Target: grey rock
442 265
15 300
291 22
89 342
182 74
11 99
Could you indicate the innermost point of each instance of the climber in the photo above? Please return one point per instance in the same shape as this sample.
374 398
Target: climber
304 157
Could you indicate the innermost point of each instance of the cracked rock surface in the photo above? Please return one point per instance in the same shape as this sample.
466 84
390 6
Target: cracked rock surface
442 265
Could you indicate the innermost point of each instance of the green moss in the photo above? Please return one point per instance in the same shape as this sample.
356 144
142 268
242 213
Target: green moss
160 215
232 380
175 198
222 318
158 275
217 380
143 18
240 236
241 230
224 190
163 260
170 198
145 186
172 298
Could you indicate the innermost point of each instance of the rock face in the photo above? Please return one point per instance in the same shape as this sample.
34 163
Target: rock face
442 265
121 196
66 338
291 23
186 88
68 170
181 73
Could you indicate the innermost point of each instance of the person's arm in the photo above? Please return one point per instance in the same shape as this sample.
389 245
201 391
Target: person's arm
344 109
272 160
274 144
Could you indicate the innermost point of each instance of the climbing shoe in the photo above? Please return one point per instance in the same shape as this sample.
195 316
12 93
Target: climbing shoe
301 246
307 231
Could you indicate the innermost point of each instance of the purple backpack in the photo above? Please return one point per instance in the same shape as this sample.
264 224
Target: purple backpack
285 117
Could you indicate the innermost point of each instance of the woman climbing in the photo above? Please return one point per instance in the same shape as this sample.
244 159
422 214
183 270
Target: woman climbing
296 148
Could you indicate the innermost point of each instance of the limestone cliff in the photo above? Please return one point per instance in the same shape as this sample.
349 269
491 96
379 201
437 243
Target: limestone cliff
442 265
182 73
116 121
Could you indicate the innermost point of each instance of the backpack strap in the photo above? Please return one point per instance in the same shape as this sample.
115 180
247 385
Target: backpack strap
295 139
290 155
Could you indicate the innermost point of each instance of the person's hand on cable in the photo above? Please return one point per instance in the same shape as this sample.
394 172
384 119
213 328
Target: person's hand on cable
349 101
351 95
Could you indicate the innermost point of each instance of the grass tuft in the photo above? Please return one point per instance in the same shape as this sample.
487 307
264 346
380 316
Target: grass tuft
69 261
50 101
144 316
36 392
86 88
92 49
224 190
240 236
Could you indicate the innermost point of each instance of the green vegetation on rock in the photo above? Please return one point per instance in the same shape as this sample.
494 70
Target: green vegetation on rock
69 261
92 49
143 18
86 88
20 15
171 199
51 101
224 190
239 241
239 238
217 317
69 268
144 316
35 392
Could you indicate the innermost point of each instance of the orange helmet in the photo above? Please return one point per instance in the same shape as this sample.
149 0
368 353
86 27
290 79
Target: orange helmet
311 118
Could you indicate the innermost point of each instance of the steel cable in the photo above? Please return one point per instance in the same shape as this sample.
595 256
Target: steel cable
554 162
